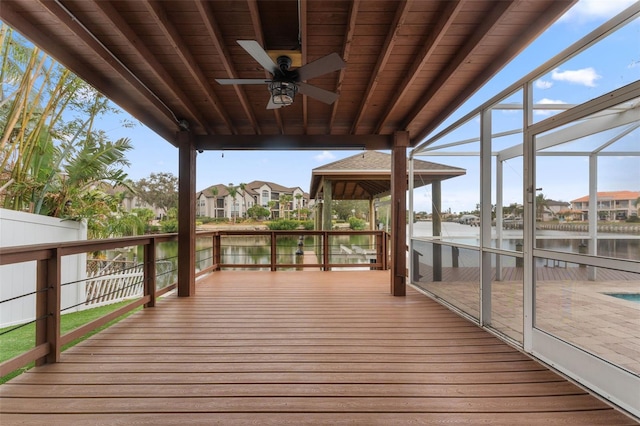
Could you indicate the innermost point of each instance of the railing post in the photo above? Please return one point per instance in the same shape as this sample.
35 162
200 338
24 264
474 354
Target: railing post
217 250
325 251
379 249
149 274
42 312
386 250
48 307
274 257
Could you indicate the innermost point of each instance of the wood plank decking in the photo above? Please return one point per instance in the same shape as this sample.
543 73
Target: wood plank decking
297 348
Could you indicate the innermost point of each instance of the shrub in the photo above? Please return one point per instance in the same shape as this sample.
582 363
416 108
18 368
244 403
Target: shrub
308 225
257 211
169 226
283 225
356 224
633 219
152 229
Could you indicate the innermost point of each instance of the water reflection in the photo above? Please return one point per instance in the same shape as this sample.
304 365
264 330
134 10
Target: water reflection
616 245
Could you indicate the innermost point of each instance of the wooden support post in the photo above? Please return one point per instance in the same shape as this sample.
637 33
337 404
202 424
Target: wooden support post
318 216
326 205
149 274
399 213
372 215
186 215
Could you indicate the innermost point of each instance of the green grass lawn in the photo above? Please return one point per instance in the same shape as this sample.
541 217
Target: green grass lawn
20 340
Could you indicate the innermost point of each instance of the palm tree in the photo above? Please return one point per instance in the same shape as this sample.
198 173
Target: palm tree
541 205
243 187
299 197
233 192
285 199
271 205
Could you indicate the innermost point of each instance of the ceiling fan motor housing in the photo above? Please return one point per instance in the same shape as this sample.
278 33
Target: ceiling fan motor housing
284 63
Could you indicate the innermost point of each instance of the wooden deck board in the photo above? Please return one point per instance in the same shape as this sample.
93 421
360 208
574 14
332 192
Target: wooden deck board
297 348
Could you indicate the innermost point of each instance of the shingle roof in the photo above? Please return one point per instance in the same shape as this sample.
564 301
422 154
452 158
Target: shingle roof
379 161
251 188
368 175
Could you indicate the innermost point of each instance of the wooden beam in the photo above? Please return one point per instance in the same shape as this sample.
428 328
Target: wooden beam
224 56
131 39
346 51
186 215
293 142
463 55
172 34
88 72
447 15
302 4
399 214
532 31
389 44
257 27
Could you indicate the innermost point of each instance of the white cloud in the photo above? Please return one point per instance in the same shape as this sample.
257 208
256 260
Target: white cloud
543 84
584 76
548 102
592 10
324 156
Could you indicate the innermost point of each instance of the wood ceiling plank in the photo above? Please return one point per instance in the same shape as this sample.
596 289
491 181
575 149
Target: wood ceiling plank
446 19
81 68
516 44
259 34
346 53
489 21
133 42
400 16
325 26
215 37
161 19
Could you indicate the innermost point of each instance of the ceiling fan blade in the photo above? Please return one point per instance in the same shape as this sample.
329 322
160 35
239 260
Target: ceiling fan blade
271 105
258 53
242 81
317 93
324 65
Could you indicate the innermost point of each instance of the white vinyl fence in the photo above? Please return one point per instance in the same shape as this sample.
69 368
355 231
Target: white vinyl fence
20 228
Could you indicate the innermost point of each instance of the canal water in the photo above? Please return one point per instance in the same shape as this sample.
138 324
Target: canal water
616 245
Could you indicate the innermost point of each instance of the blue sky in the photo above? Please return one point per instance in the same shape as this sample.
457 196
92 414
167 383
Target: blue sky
583 77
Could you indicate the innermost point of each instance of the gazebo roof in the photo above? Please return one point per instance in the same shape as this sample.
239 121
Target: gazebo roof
368 175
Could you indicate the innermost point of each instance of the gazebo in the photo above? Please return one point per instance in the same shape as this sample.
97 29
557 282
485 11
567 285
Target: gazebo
367 176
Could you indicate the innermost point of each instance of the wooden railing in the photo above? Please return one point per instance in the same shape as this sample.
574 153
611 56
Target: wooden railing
48 338
325 253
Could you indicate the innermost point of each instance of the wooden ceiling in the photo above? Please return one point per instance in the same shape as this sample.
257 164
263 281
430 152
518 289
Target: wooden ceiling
409 63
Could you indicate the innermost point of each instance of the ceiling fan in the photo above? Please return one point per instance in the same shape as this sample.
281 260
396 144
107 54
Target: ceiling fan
287 82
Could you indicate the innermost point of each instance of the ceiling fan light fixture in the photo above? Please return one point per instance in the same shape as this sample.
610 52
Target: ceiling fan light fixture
282 92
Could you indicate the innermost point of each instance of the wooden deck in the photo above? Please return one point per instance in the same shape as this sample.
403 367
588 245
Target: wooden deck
297 348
